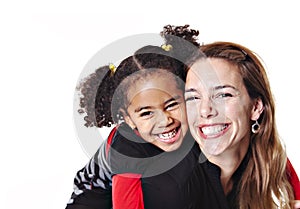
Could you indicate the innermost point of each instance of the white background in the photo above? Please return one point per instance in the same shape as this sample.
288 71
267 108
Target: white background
44 46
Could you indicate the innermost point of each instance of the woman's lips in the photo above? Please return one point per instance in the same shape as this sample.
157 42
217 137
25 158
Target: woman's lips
214 130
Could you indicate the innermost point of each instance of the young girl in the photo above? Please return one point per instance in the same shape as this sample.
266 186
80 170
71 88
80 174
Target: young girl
150 152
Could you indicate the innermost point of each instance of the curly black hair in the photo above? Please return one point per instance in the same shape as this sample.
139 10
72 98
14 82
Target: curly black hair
171 31
102 88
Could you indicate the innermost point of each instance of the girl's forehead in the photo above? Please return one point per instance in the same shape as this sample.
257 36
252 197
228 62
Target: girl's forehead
156 81
167 84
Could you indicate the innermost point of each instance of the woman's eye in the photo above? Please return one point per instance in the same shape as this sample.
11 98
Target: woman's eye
191 98
223 95
172 106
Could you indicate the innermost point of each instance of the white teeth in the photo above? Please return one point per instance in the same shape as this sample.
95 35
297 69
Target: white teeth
168 135
212 130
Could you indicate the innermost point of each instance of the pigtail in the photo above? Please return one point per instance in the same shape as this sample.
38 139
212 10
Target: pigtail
95 98
175 54
183 42
184 32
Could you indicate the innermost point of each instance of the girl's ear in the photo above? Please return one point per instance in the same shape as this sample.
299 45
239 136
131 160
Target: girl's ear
257 109
127 119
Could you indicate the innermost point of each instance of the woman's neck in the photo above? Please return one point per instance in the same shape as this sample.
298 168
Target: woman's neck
228 162
228 167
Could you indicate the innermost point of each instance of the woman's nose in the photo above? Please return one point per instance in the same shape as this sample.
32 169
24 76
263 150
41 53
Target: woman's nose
207 109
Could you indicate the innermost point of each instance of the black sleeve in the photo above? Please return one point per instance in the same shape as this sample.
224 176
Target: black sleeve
92 184
92 199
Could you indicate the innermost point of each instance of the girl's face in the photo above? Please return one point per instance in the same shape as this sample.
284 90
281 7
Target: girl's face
157 110
219 107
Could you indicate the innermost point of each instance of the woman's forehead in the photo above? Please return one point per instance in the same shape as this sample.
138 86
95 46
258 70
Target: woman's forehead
211 72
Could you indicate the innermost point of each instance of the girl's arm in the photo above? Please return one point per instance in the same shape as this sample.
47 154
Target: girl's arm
92 184
92 187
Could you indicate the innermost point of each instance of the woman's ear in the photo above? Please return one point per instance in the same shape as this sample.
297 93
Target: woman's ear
127 119
257 109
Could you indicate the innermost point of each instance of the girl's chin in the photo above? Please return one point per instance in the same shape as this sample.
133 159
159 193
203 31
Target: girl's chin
171 148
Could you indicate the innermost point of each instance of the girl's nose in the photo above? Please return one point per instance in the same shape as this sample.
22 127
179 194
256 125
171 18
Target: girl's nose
164 119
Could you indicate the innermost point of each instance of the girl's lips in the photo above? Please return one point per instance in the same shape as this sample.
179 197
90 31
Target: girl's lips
169 137
213 130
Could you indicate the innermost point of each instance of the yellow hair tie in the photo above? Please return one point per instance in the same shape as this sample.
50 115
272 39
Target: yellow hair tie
166 47
112 68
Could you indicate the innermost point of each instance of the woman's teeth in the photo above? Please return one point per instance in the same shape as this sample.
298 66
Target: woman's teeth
168 135
213 130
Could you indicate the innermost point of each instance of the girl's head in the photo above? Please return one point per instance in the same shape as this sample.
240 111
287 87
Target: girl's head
145 91
154 105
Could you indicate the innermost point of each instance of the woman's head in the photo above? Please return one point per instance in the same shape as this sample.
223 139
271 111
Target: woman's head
252 72
219 107
233 86
230 89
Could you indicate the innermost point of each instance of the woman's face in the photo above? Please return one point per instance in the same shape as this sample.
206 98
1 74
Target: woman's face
218 106
157 110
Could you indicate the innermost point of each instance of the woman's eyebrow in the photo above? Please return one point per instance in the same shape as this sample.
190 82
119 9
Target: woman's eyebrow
190 90
225 86
215 88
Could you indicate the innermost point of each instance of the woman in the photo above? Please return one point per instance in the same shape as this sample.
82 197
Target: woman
231 115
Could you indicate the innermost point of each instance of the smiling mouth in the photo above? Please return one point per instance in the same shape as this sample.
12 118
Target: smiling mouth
213 131
170 136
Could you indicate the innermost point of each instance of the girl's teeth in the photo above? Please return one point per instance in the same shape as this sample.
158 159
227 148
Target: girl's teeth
168 135
212 130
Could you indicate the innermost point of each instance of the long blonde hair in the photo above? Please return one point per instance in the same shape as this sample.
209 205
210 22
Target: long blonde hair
264 183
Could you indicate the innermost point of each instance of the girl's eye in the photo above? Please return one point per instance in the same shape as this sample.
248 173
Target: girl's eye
172 106
146 114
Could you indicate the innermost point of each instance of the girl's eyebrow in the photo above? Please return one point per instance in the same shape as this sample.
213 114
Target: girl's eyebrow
166 102
142 108
172 99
